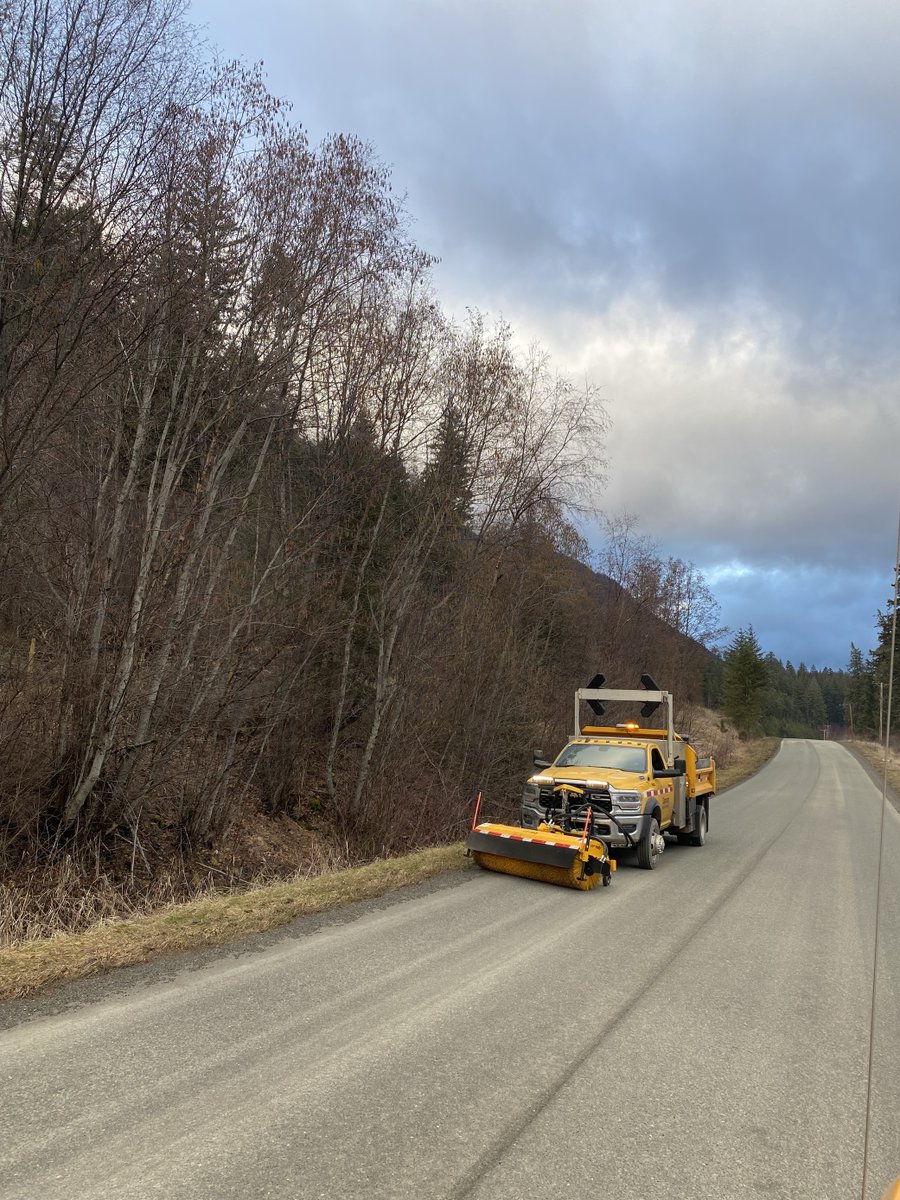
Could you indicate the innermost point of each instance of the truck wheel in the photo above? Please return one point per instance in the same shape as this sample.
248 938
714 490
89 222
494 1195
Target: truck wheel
699 838
650 846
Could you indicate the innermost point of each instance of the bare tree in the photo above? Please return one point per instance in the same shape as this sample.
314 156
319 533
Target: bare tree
276 531
85 94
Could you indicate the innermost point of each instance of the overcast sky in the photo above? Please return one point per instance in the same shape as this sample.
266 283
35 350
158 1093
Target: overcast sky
694 204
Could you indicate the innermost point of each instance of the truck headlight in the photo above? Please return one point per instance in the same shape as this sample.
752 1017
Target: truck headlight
531 793
627 802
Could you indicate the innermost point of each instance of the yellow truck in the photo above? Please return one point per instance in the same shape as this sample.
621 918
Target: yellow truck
639 783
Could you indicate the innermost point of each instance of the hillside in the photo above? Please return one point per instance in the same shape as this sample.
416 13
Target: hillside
288 557
446 742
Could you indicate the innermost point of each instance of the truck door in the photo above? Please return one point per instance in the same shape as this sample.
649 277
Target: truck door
664 789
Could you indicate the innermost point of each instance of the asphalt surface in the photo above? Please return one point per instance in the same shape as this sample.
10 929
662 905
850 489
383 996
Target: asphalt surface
697 1031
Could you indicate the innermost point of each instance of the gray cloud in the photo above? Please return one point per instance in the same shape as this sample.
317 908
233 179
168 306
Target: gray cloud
717 150
697 205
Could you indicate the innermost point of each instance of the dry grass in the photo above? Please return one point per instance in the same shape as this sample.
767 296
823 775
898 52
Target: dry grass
736 758
63 898
41 900
745 759
210 922
873 753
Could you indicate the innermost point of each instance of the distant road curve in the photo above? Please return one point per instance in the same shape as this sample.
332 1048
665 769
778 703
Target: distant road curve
697 1031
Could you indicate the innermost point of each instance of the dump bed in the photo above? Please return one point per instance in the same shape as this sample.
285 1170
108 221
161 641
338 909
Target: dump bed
701 779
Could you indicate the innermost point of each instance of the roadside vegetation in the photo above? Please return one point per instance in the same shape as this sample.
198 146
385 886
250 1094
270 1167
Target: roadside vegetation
210 921
289 561
216 919
873 753
750 756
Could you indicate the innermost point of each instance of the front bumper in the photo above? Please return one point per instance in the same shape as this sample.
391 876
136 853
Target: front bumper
609 831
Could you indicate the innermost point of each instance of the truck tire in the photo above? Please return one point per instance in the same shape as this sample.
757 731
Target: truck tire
699 838
648 853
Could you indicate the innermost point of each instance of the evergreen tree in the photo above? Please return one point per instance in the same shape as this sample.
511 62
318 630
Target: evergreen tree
448 474
879 670
832 684
713 673
861 711
814 704
745 678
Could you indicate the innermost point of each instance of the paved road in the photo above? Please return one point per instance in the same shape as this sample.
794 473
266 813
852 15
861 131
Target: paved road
698 1031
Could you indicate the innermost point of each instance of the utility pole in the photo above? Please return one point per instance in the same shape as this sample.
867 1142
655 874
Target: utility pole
881 710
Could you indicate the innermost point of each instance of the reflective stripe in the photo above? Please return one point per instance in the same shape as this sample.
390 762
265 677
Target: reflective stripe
515 837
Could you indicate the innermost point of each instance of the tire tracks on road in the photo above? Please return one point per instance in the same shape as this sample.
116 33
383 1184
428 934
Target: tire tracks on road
492 1157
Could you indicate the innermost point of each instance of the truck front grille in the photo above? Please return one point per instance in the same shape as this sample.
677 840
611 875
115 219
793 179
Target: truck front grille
596 799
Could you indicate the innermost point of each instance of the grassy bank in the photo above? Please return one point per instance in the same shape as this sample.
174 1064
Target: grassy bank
209 922
217 919
873 753
745 760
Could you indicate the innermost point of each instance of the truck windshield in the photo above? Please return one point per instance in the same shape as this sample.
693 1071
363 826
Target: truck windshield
616 758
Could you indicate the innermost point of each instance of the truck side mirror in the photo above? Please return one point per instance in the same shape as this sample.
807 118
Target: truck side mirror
674 772
539 761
